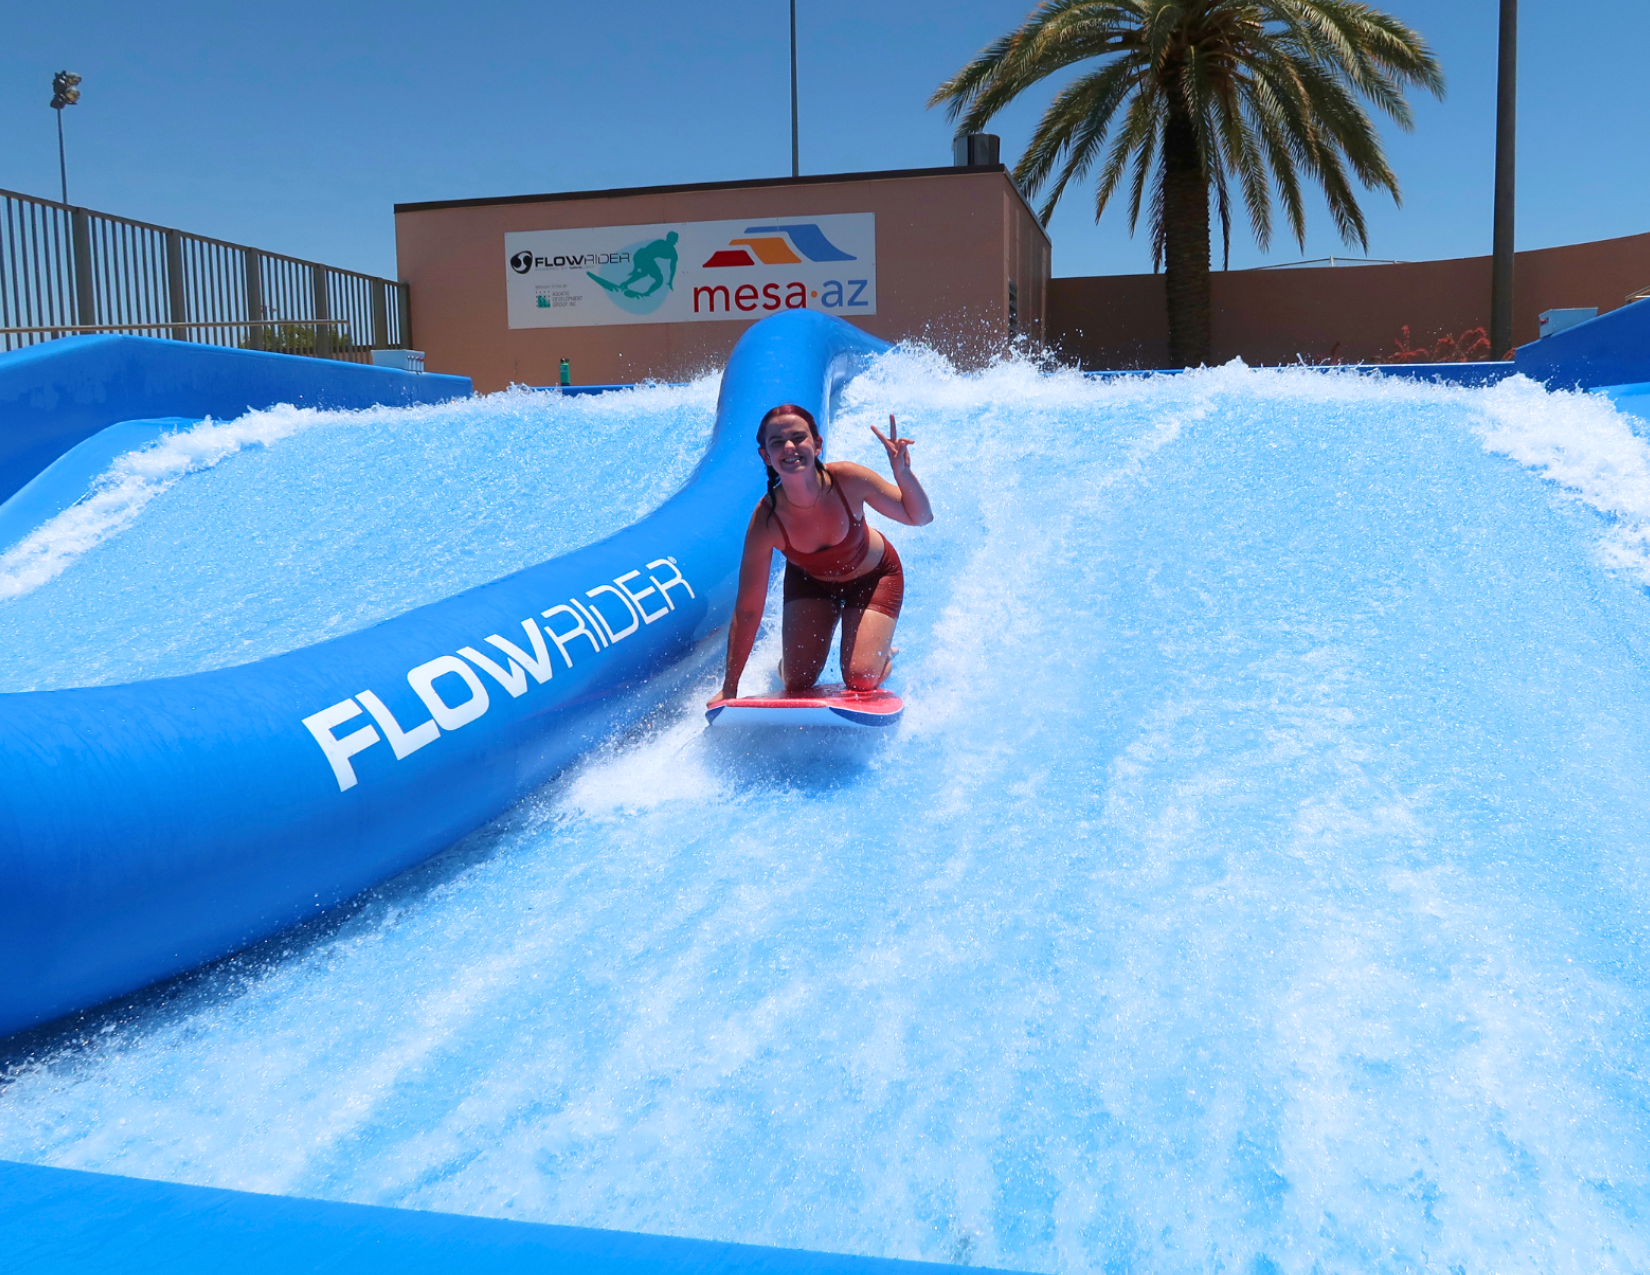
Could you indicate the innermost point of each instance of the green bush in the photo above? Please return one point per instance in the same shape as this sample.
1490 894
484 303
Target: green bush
296 338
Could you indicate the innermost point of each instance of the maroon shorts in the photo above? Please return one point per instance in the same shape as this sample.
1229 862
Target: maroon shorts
881 589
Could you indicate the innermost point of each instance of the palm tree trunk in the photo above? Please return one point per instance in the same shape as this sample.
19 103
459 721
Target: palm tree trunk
1185 243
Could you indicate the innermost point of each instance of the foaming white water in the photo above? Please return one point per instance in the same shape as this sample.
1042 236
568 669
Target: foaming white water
118 496
1581 442
226 543
1257 884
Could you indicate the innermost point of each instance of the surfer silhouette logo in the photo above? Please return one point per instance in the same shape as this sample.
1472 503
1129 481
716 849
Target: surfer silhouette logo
522 262
647 262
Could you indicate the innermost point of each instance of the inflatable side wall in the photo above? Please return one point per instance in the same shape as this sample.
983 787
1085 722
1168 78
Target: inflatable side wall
1612 349
147 828
67 1220
58 393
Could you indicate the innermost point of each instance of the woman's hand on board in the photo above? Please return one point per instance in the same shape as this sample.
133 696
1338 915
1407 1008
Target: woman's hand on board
898 449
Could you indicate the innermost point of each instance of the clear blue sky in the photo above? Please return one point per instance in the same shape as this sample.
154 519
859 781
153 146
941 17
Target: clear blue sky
296 128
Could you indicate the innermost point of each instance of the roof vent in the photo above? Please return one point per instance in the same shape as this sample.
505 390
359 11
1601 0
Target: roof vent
975 150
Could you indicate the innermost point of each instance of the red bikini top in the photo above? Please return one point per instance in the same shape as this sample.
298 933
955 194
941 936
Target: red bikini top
833 561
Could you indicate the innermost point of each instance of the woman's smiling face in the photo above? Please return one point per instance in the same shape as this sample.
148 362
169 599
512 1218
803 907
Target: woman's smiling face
789 445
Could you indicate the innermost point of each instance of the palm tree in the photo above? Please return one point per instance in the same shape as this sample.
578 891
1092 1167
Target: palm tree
1195 96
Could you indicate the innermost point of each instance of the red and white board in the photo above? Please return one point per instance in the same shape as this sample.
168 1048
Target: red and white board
822 706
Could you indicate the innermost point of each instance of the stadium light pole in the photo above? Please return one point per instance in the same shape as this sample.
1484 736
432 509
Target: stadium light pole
796 153
1506 132
65 92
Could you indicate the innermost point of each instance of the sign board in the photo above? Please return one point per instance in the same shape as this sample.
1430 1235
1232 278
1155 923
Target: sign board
690 272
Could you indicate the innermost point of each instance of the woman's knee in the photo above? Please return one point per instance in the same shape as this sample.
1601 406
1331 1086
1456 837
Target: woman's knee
801 668
865 673
796 683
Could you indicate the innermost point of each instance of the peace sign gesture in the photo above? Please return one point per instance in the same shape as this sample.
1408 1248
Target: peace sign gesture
899 455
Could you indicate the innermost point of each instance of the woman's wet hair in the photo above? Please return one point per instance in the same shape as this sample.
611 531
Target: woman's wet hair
774 413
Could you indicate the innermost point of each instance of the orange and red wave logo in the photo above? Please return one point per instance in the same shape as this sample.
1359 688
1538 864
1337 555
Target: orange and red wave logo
778 246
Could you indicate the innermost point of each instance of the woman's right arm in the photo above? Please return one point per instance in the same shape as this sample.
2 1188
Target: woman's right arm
748 606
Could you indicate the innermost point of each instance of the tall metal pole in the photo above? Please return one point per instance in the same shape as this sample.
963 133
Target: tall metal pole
1506 130
65 92
796 152
62 164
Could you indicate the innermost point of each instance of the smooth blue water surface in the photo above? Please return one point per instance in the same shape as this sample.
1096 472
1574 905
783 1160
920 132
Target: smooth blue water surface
1257 883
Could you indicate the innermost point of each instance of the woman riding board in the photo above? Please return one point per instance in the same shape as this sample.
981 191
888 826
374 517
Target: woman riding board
837 567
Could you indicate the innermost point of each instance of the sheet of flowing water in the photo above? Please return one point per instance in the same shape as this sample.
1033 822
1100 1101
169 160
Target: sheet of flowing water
1257 883
231 541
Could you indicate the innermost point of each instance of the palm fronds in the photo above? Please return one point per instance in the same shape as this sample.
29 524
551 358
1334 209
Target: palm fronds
1274 92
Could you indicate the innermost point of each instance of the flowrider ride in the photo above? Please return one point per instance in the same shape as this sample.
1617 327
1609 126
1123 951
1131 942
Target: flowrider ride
148 828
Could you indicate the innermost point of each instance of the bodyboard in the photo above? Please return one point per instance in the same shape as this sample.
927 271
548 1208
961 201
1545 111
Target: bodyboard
832 705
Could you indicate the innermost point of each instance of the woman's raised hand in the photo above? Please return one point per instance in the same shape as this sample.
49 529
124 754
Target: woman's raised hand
899 456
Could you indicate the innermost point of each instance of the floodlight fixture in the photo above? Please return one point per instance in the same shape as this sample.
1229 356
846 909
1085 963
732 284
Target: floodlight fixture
65 92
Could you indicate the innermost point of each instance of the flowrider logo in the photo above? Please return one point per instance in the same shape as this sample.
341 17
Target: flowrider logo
450 686
704 270
649 279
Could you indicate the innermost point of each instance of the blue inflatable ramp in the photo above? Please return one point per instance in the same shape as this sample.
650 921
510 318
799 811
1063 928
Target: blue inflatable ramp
60 393
148 828
60 1221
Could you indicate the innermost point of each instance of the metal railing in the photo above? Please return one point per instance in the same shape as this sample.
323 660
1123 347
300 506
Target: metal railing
66 270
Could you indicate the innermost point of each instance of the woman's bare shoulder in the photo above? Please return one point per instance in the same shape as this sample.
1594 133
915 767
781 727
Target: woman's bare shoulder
850 473
860 483
762 522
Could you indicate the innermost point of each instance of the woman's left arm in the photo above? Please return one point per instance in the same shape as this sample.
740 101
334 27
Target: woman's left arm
905 502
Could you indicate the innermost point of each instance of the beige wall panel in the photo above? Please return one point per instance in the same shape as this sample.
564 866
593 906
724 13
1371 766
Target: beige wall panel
1347 314
940 272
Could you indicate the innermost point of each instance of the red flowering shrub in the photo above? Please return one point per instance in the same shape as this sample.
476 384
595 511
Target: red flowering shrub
1472 346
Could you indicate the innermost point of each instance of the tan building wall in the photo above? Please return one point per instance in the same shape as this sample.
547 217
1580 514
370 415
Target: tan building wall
949 242
1349 314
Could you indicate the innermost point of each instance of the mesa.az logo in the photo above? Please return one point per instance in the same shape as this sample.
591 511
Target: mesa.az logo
778 246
